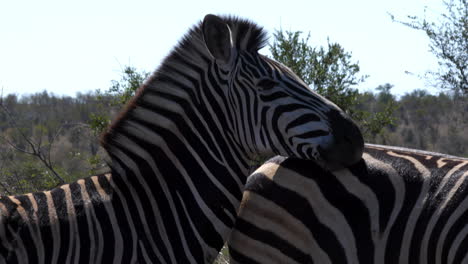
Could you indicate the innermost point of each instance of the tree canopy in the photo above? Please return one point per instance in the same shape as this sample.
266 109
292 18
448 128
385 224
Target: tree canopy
331 72
448 41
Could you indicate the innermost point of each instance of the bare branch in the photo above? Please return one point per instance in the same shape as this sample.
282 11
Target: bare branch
13 145
35 147
448 41
12 122
5 188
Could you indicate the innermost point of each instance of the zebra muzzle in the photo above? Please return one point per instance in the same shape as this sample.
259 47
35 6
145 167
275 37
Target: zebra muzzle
348 144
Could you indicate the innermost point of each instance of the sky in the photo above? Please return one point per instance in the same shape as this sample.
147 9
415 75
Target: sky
67 47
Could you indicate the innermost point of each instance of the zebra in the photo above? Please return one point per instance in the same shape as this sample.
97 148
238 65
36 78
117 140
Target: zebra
396 205
179 157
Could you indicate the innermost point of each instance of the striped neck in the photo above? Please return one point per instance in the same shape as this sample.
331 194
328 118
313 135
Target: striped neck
172 153
175 154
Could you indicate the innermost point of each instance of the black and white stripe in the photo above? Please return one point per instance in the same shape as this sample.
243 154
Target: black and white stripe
395 206
180 156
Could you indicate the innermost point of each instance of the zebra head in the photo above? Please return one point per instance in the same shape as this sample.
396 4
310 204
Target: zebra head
271 110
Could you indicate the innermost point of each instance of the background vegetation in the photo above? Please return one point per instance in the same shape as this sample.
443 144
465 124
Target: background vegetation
65 131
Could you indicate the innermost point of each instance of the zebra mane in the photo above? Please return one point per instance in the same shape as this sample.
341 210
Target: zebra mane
246 36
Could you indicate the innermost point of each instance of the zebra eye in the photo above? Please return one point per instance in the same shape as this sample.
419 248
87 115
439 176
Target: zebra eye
267 84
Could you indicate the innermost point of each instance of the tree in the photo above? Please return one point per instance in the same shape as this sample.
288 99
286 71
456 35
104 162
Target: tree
116 97
448 42
329 71
332 73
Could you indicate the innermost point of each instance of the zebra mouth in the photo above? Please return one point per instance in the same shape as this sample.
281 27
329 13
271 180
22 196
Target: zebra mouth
339 157
347 146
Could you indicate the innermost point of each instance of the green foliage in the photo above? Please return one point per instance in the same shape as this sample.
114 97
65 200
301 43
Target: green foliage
98 122
331 72
124 89
289 49
27 176
448 38
116 96
375 111
95 161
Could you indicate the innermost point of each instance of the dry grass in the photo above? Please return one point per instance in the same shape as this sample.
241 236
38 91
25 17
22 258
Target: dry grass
223 257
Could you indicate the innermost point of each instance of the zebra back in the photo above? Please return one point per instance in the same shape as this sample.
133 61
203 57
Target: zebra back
395 206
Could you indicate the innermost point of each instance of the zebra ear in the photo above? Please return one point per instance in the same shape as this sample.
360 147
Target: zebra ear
217 37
